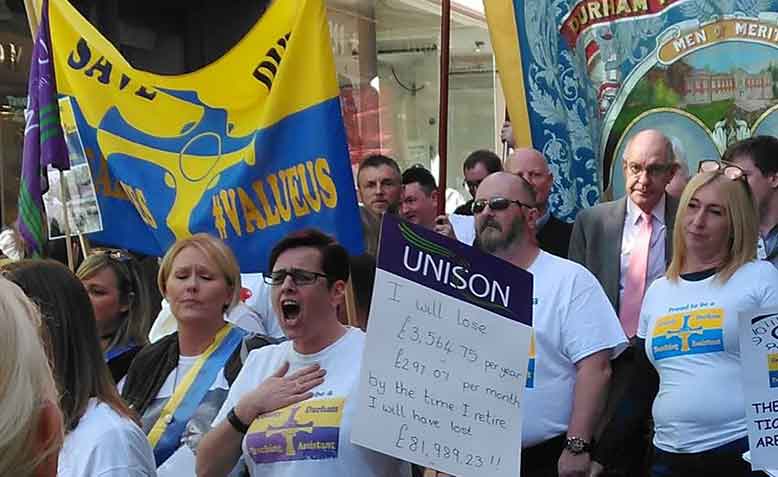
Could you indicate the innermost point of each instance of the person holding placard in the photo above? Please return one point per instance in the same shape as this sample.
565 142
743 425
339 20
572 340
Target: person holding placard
689 353
289 412
576 334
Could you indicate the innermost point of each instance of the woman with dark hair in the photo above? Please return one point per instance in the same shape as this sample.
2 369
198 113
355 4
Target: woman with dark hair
101 435
121 305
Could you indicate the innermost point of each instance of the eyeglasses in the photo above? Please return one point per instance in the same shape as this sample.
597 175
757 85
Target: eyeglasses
496 203
299 277
730 171
653 171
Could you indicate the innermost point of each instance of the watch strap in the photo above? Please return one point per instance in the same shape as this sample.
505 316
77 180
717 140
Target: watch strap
576 445
236 423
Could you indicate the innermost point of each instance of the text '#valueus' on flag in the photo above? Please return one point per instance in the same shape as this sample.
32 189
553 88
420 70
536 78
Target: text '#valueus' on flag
248 148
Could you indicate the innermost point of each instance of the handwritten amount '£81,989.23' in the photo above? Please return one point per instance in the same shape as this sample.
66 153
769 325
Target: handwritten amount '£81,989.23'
436 450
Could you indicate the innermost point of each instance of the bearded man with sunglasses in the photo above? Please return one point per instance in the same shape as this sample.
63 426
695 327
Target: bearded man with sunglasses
300 392
575 333
627 244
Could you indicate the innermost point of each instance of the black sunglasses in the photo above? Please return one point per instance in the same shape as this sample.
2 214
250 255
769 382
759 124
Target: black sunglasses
113 253
496 203
472 185
730 171
299 277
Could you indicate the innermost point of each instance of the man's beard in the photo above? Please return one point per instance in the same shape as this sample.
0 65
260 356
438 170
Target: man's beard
489 235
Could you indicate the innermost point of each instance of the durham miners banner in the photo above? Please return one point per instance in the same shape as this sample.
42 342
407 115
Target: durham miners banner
247 148
705 72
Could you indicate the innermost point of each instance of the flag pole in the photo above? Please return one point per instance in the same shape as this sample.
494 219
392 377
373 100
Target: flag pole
445 27
32 17
66 221
505 144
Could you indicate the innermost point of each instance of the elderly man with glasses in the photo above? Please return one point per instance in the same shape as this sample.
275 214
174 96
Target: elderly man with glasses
627 244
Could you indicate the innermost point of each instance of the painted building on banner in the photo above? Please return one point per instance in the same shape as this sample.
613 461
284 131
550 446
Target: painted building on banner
702 86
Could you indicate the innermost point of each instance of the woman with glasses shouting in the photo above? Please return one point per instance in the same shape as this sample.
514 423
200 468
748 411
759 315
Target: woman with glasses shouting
689 354
178 383
121 304
264 418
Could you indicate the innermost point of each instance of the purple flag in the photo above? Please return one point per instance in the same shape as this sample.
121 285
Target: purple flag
44 143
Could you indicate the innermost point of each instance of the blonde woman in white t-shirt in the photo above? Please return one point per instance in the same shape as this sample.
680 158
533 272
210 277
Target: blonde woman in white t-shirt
102 438
688 324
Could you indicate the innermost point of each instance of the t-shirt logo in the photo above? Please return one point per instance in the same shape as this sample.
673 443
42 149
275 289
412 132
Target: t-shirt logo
772 368
306 431
692 332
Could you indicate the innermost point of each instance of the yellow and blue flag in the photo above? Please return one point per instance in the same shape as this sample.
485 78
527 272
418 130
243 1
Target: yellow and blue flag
248 148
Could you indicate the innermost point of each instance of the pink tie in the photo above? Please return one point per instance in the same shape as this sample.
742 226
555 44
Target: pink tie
635 282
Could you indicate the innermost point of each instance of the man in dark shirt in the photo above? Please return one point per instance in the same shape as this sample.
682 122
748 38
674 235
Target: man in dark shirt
380 188
553 234
477 166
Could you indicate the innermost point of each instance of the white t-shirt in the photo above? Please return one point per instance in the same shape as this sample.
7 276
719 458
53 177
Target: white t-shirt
311 437
260 308
572 319
200 423
691 334
105 444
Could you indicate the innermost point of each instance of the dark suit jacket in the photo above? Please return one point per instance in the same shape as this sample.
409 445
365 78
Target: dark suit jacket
554 236
596 241
371 228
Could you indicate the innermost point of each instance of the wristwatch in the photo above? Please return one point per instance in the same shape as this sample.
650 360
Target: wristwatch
236 423
576 445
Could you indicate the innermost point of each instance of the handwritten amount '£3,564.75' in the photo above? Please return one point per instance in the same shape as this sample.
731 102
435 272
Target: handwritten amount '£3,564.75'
416 334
